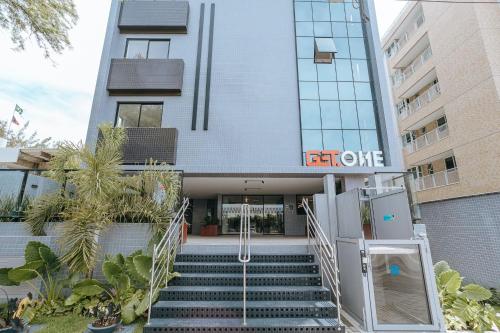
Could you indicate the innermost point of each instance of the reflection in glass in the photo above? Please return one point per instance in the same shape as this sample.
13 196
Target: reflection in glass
366 115
333 139
337 12
355 29
349 115
320 11
360 70
303 11
312 140
330 115
326 72
136 49
322 29
344 71
328 90
357 46
305 47
128 115
369 140
399 287
304 29
352 13
342 45
346 90
151 115
231 213
339 29
273 215
310 115
308 90
351 140
363 91
158 49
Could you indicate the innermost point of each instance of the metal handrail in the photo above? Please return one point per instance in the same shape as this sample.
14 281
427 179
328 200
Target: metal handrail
326 254
164 250
244 252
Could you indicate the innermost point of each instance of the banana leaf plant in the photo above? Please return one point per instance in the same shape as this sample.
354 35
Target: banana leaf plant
464 307
127 285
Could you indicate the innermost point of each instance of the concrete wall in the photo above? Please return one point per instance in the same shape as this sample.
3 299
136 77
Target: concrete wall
199 213
465 232
122 238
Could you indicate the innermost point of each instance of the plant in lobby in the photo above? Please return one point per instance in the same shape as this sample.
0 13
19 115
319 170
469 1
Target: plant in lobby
101 195
464 307
210 226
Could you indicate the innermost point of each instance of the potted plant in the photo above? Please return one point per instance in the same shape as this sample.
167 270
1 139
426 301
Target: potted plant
210 228
107 319
366 220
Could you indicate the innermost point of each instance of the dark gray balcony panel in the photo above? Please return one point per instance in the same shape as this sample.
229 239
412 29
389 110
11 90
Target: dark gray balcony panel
145 143
145 76
154 16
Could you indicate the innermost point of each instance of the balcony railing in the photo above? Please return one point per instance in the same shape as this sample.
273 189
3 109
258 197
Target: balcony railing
428 138
425 98
437 179
405 37
401 76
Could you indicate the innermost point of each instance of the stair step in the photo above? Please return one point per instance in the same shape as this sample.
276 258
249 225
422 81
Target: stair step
234 309
255 258
254 325
235 279
233 293
217 267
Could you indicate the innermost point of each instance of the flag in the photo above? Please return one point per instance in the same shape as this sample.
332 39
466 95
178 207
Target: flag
18 110
14 121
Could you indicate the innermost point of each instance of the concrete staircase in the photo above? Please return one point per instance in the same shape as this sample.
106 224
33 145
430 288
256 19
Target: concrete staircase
284 294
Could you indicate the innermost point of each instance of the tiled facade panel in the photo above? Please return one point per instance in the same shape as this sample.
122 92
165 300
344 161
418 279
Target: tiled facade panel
465 232
154 16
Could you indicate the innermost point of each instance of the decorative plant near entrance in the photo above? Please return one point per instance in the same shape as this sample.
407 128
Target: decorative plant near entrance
464 307
101 195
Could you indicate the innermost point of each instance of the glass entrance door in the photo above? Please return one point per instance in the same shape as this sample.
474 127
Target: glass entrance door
266 214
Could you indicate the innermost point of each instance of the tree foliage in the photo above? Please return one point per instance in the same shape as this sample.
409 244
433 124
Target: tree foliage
47 21
21 138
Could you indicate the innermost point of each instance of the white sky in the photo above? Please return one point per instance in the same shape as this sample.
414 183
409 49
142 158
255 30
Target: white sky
57 98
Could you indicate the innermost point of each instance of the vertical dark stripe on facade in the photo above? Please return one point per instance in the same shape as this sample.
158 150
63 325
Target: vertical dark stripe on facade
198 65
209 66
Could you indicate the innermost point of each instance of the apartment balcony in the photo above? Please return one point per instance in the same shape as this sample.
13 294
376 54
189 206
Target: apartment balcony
401 44
438 179
146 76
404 74
417 103
146 143
427 139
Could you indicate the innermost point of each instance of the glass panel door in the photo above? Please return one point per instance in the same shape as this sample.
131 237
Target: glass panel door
231 213
399 288
273 215
256 205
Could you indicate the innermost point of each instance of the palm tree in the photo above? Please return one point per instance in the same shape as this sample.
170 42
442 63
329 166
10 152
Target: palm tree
101 195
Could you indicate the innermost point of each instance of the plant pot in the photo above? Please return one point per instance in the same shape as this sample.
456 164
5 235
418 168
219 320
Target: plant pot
210 230
108 329
8 330
185 228
367 230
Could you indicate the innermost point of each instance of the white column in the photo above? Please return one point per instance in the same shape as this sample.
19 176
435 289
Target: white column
329 190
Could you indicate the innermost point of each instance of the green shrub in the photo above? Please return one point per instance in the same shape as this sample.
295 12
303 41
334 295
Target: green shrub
464 307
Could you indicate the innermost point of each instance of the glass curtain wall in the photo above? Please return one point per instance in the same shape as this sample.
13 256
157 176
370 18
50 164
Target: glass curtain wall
336 101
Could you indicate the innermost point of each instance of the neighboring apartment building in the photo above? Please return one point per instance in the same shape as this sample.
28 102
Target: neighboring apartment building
444 70
239 94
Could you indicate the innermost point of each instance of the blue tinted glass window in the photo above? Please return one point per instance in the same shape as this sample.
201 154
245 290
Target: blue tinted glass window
328 90
307 70
322 29
305 47
360 70
337 11
308 90
304 29
357 46
303 11
326 72
351 140
349 115
369 140
333 140
321 11
342 45
366 115
363 91
330 114
355 29
344 71
352 12
310 115
346 91
339 29
312 140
